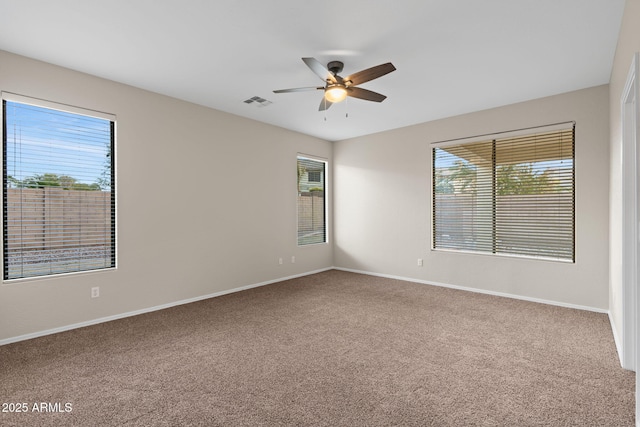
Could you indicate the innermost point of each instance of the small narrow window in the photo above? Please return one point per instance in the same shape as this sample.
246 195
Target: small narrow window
58 189
312 218
510 195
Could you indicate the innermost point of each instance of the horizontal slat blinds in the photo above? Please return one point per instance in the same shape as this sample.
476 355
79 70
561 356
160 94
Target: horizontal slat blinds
511 195
312 224
463 180
535 195
58 198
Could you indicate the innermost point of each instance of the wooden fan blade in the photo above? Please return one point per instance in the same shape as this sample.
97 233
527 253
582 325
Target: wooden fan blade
369 74
324 104
297 89
358 92
320 70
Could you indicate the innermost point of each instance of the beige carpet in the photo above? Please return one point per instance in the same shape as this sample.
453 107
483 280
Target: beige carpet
331 349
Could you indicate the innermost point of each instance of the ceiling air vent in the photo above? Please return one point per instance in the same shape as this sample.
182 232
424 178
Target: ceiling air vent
259 102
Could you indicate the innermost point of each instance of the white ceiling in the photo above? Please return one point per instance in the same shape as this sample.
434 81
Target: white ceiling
452 56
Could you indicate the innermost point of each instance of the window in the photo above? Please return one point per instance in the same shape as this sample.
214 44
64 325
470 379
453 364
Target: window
510 195
58 189
312 217
315 176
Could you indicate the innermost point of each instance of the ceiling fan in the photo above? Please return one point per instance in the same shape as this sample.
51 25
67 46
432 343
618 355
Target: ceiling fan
337 88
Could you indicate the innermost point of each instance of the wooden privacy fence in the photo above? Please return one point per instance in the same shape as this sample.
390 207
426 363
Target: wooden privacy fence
55 218
526 224
311 211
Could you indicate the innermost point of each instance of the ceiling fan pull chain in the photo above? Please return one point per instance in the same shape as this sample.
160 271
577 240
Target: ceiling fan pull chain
325 108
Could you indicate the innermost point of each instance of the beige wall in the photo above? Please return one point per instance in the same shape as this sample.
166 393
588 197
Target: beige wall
206 203
183 168
628 44
382 204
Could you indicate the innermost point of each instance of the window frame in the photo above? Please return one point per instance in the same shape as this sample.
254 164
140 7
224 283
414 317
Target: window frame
70 109
498 137
324 176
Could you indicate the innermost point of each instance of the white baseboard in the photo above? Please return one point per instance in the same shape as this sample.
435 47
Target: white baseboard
269 282
614 331
480 291
150 309
616 337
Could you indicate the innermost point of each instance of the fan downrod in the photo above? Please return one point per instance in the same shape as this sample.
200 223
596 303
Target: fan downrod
335 67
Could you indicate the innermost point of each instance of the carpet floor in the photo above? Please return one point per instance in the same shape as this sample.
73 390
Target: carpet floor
329 349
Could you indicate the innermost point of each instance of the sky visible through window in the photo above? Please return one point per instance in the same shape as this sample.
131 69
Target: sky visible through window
43 141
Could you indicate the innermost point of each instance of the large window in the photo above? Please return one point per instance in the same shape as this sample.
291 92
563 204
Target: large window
58 189
509 195
312 212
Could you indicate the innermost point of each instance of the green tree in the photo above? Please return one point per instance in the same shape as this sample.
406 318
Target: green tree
104 182
443 184
521 179
13 182
463 176
86 187
54 180
41 181
301 171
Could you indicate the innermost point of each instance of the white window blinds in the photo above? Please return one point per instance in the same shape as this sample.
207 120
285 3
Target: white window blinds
511 195
59 195
312 220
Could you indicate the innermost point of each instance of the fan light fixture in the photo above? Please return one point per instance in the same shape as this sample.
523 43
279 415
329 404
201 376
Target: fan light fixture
335 93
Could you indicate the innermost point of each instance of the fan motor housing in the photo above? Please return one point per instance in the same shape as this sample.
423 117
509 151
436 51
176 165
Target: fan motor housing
335 67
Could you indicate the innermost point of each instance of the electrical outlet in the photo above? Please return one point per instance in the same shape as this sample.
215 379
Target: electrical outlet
293 259
280 261
420 262
95 292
